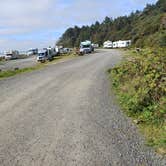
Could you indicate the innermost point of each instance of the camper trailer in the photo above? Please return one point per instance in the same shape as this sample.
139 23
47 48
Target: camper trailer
95 45
13 54
124 43
108 44
121 44
115 44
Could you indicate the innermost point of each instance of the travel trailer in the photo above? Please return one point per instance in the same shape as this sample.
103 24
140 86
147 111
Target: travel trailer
13 54
108 44
95 45
121 43
115 44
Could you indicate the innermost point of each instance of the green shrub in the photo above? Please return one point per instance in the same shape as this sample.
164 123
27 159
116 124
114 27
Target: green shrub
140 83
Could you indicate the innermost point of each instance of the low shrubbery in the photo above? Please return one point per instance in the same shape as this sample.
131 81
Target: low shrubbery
140 83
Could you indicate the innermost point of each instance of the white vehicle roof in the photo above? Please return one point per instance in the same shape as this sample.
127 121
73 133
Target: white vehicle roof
87 42
42 51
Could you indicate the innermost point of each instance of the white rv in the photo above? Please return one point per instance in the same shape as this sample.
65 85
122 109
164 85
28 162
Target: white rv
95 45
121 44
108 44
115 44
14 54
32 52
86 47
46 54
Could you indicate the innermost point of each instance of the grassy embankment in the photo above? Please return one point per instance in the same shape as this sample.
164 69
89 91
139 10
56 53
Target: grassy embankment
140 84
9 73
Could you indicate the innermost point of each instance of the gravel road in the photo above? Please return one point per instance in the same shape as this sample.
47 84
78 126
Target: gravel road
20 63
65 115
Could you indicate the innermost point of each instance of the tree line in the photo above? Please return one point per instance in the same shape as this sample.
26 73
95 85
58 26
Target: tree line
144 28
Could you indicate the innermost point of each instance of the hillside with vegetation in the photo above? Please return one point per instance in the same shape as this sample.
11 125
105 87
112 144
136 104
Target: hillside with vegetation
144 28
140 85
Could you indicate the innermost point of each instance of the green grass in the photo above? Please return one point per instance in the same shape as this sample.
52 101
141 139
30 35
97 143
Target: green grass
9 73
140 84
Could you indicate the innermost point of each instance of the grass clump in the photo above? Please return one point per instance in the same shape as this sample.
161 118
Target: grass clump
9 73
140 83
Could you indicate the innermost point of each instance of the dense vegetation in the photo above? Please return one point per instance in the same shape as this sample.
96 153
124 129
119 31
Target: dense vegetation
144 28
140 83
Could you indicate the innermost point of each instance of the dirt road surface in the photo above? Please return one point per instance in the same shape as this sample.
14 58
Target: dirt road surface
66 115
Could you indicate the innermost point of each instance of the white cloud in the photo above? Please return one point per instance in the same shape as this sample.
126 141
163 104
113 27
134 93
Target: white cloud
25 44
24 18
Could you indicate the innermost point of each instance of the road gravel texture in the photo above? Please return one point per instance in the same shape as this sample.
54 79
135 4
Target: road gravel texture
66 115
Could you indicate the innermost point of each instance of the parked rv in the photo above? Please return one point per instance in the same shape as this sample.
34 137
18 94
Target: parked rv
32 52
64 50
57 49
67 50
95 45
86 47
46 54
121 44
108 44
115 44
9 55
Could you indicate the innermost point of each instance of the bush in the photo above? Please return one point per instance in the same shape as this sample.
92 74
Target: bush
141 86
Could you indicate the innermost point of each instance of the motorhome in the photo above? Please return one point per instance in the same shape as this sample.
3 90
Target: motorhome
86 47
32 52
46 54
13 54
108 44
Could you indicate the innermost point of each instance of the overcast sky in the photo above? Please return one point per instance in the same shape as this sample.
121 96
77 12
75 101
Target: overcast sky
28 24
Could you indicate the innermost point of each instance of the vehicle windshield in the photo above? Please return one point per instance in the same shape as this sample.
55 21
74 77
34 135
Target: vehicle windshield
85 46
41 54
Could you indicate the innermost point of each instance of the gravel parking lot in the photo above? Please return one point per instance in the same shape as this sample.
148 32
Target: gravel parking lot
18 63
66 114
